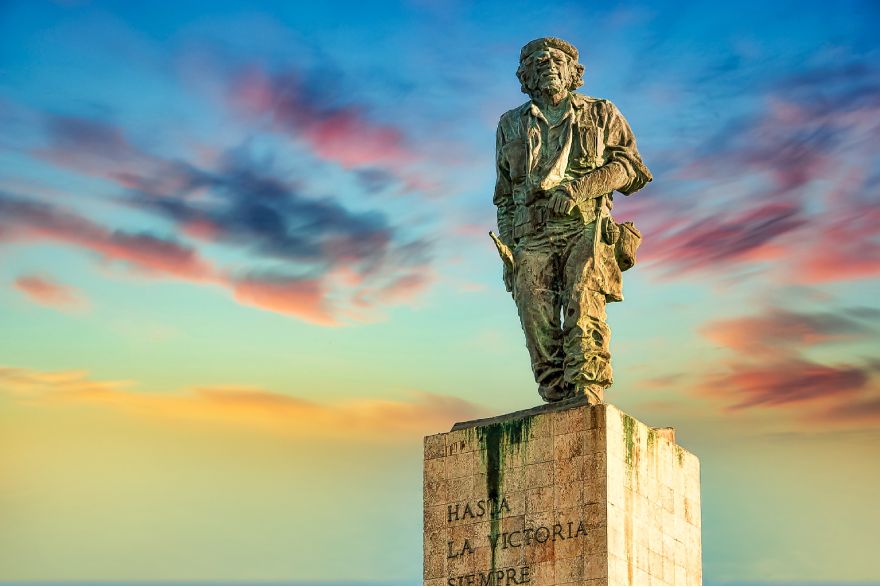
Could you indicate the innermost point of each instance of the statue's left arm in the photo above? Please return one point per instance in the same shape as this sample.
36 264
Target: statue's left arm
623 170
503 197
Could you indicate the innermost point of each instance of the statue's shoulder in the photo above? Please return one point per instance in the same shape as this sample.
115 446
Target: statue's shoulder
591 102
584 100
513 115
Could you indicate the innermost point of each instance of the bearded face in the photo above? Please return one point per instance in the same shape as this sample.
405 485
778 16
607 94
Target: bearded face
548 71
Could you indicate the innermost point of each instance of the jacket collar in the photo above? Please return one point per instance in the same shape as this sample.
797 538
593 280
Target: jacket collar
578 102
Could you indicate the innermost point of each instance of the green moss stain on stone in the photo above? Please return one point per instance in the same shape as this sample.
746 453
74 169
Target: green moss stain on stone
679 452
652 437
629 430
497 442
492 451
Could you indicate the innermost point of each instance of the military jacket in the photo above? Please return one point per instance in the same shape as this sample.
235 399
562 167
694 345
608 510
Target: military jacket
598 135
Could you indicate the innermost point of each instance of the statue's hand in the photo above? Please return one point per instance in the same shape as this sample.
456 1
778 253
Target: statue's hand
561 202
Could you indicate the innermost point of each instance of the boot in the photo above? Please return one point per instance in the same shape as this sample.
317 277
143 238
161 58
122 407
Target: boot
552 393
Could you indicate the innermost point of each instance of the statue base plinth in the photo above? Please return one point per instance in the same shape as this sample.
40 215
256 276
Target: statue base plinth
562 494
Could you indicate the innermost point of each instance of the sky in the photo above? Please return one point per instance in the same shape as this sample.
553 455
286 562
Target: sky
244 270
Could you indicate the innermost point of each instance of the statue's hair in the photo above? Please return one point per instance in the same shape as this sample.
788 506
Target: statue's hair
576 81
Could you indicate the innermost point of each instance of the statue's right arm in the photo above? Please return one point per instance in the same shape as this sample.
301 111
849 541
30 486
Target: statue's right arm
623 171
503 197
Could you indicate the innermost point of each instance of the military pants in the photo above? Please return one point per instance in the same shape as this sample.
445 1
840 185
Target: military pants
563 320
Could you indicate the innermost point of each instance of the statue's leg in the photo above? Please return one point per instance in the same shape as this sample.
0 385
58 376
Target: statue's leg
586 336
536 291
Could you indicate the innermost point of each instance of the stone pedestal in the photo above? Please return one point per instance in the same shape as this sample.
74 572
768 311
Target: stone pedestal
561 495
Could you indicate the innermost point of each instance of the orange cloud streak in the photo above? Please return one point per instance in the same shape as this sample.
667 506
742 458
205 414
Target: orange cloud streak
366 418
302 298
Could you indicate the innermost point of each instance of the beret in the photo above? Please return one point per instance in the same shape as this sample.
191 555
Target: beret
548 43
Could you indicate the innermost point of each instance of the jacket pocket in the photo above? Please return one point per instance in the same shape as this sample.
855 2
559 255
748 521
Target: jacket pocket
589 155
514 153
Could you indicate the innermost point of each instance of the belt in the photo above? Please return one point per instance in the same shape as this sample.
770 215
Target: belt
530 219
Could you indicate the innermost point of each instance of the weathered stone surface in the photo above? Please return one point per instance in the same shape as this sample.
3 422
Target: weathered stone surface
577 494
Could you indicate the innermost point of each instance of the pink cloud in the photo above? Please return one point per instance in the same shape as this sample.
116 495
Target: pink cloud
43 290
201 229
100 149
352 141
779 331
148 253
341 133
846 248
865 410
404 288
784 382
711 242
153 254
662 382
303 298
789 189
769 370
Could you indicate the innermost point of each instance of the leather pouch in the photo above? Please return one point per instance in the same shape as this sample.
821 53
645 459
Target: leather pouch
626 246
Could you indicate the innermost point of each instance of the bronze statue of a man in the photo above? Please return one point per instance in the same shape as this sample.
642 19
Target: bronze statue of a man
560 156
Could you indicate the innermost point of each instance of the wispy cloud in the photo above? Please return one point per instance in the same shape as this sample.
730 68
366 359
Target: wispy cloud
861 411
789 186
23 219
768 365
251 208
44 290
343 133
784 382
297 246
31 384
98 148
713 242
780 331
333 125
152 256
286 295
